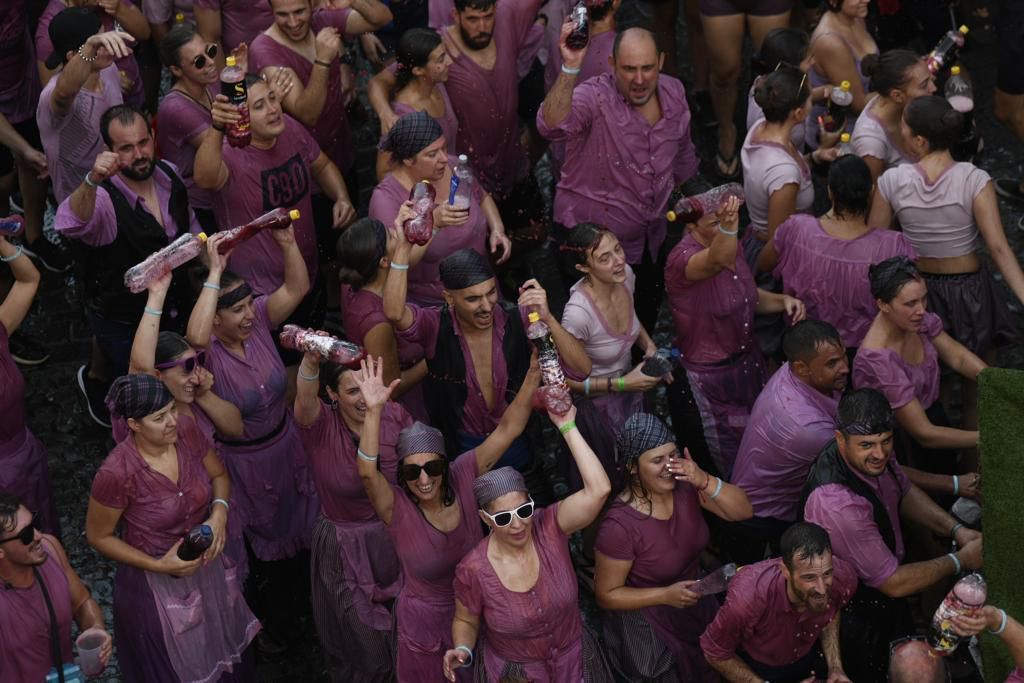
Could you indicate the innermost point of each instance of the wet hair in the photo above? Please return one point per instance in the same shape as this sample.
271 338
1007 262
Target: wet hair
9 505
933 118
583 240
619 35
122 113
888 277
889 70
781 47
864 411
253 79
802 541
170 345
170 47
599 12
479 5
849 181
780 92
802 341
359 250
413 50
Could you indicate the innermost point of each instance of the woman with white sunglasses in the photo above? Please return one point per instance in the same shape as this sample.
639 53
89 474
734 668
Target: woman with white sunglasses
518 585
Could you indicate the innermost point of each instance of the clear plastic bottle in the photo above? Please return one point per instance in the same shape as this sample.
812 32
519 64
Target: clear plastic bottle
690 209
715 582
277 219
232 86
461 193
844 145
947 50
839 101
12 225
196 543
328 347
960 95
967 597
658 365
420 228
579 37
555 392
179 18
157 264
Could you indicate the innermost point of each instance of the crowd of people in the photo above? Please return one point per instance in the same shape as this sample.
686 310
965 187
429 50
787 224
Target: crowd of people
813 418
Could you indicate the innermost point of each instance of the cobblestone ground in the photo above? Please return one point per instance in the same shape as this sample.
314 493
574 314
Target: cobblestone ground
76 446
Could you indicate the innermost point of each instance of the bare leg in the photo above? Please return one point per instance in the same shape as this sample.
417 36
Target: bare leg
762 26
724 37
666 20
698 46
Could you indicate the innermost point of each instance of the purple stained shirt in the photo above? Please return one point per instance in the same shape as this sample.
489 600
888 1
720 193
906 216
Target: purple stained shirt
425 287
758 618
129 65
714 317
486 102
830 275
19 77
850 522
180 122
72 141
163 11
448 122
440 13
363 310
871 139
1016 676
790 423
608 350
241 20
900 381
619 170
331 130
263 179
595 62
101 229
767 168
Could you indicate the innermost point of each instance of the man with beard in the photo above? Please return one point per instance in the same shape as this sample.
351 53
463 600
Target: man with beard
127 206
37 587
792 419
627 137
768 628
858 492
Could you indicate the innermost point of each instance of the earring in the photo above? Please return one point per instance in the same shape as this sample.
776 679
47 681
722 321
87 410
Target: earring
334 404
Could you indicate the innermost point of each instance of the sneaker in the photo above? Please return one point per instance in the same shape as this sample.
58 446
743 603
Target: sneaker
1009 188
48 254
26 350
94 392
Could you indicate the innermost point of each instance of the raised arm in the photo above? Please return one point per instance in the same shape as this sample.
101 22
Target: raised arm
225 415
143 355
378 92
558 103
200 322
959 357
78 69
367 16
307 393
396 286
210 27
772 302
582 507
209 170
26 281
990 224
369 378
721 253
512 424
283 302
573 353
916 576
306 101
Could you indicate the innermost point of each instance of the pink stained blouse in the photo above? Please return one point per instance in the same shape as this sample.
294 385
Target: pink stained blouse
767 167
540 628
19 76
180 122
937 216
714 317
331 130
830 275
363 310
790 423
163 11
424 278
870 139
448 121
608 350
241 20
849 520
900 381
156 512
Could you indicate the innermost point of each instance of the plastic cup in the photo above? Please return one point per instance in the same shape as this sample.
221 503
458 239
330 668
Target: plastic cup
89 645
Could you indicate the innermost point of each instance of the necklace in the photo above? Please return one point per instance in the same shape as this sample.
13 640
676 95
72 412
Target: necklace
207 107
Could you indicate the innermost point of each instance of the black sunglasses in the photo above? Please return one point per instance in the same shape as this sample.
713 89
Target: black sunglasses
26 535
187 364
210 53
434 468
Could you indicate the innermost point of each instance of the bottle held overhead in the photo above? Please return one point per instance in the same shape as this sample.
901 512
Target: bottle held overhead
327 347
420 227
690 209
555 393
158 264
276 219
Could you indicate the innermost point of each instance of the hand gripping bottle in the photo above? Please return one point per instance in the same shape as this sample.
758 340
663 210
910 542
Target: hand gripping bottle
12 225
658 365
461 192
181 250
839 101
715 582
844 145
967 597
420 228
232 86
555 392
580 34
198 540
278 219
947 50
960 95
690 209
328 347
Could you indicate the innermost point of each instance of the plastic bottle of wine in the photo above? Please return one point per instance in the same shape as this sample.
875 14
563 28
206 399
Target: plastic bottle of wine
690 209
328 347
555 392
947 50
966 598
420 228
232 86
277 219
579 37
157 264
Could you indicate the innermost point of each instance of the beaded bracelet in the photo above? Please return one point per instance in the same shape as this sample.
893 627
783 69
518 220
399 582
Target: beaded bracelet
17 252
81 55
1002 625
567 427
365 457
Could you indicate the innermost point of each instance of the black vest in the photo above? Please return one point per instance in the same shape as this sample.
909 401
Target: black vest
100 270
446 373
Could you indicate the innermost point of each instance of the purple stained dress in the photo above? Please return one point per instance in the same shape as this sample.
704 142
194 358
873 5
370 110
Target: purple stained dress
355 571
331 130
180 121
426 605
194 628
900 381
24 469
714 321
815 79
538 634
661 642
272 489
830 275
448 122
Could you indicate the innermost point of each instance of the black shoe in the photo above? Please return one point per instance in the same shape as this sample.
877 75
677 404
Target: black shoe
48 254
95 392
26 350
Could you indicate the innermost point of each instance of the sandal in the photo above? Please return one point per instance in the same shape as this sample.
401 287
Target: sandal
723 166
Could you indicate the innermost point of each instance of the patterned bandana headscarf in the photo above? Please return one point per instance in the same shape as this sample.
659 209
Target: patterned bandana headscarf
420 438
641 433
410 135
137 395
497 483
463 269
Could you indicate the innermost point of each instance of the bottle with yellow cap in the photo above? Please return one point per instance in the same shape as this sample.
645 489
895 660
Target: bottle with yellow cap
179 18
555 392
839 101
960 95
232 86
276 219
948 49
158 264
844 145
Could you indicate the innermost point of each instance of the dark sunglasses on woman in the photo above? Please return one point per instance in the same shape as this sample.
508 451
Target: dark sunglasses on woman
434 468
209 53
187 364
504 518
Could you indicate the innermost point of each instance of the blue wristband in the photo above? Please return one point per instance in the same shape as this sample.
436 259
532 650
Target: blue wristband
956 562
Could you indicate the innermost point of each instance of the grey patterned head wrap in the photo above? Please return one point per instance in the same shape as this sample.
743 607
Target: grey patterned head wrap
497 483
410 135
463 269
137 395
420 438
641 433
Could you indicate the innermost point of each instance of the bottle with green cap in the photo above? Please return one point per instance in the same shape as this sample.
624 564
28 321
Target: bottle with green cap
948 49
839 101
276 219
158 264
232 86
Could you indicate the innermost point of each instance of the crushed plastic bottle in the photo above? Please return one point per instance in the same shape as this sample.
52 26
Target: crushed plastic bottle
966 598
690 209
715 582
555 392
461 193
158 264
420 227
328 347
658 365
277 219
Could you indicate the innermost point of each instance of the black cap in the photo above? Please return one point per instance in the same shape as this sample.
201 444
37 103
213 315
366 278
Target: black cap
69 30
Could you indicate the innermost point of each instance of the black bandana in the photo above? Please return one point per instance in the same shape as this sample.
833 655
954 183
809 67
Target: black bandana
229 299
465 268
641 433
410 135
137 395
